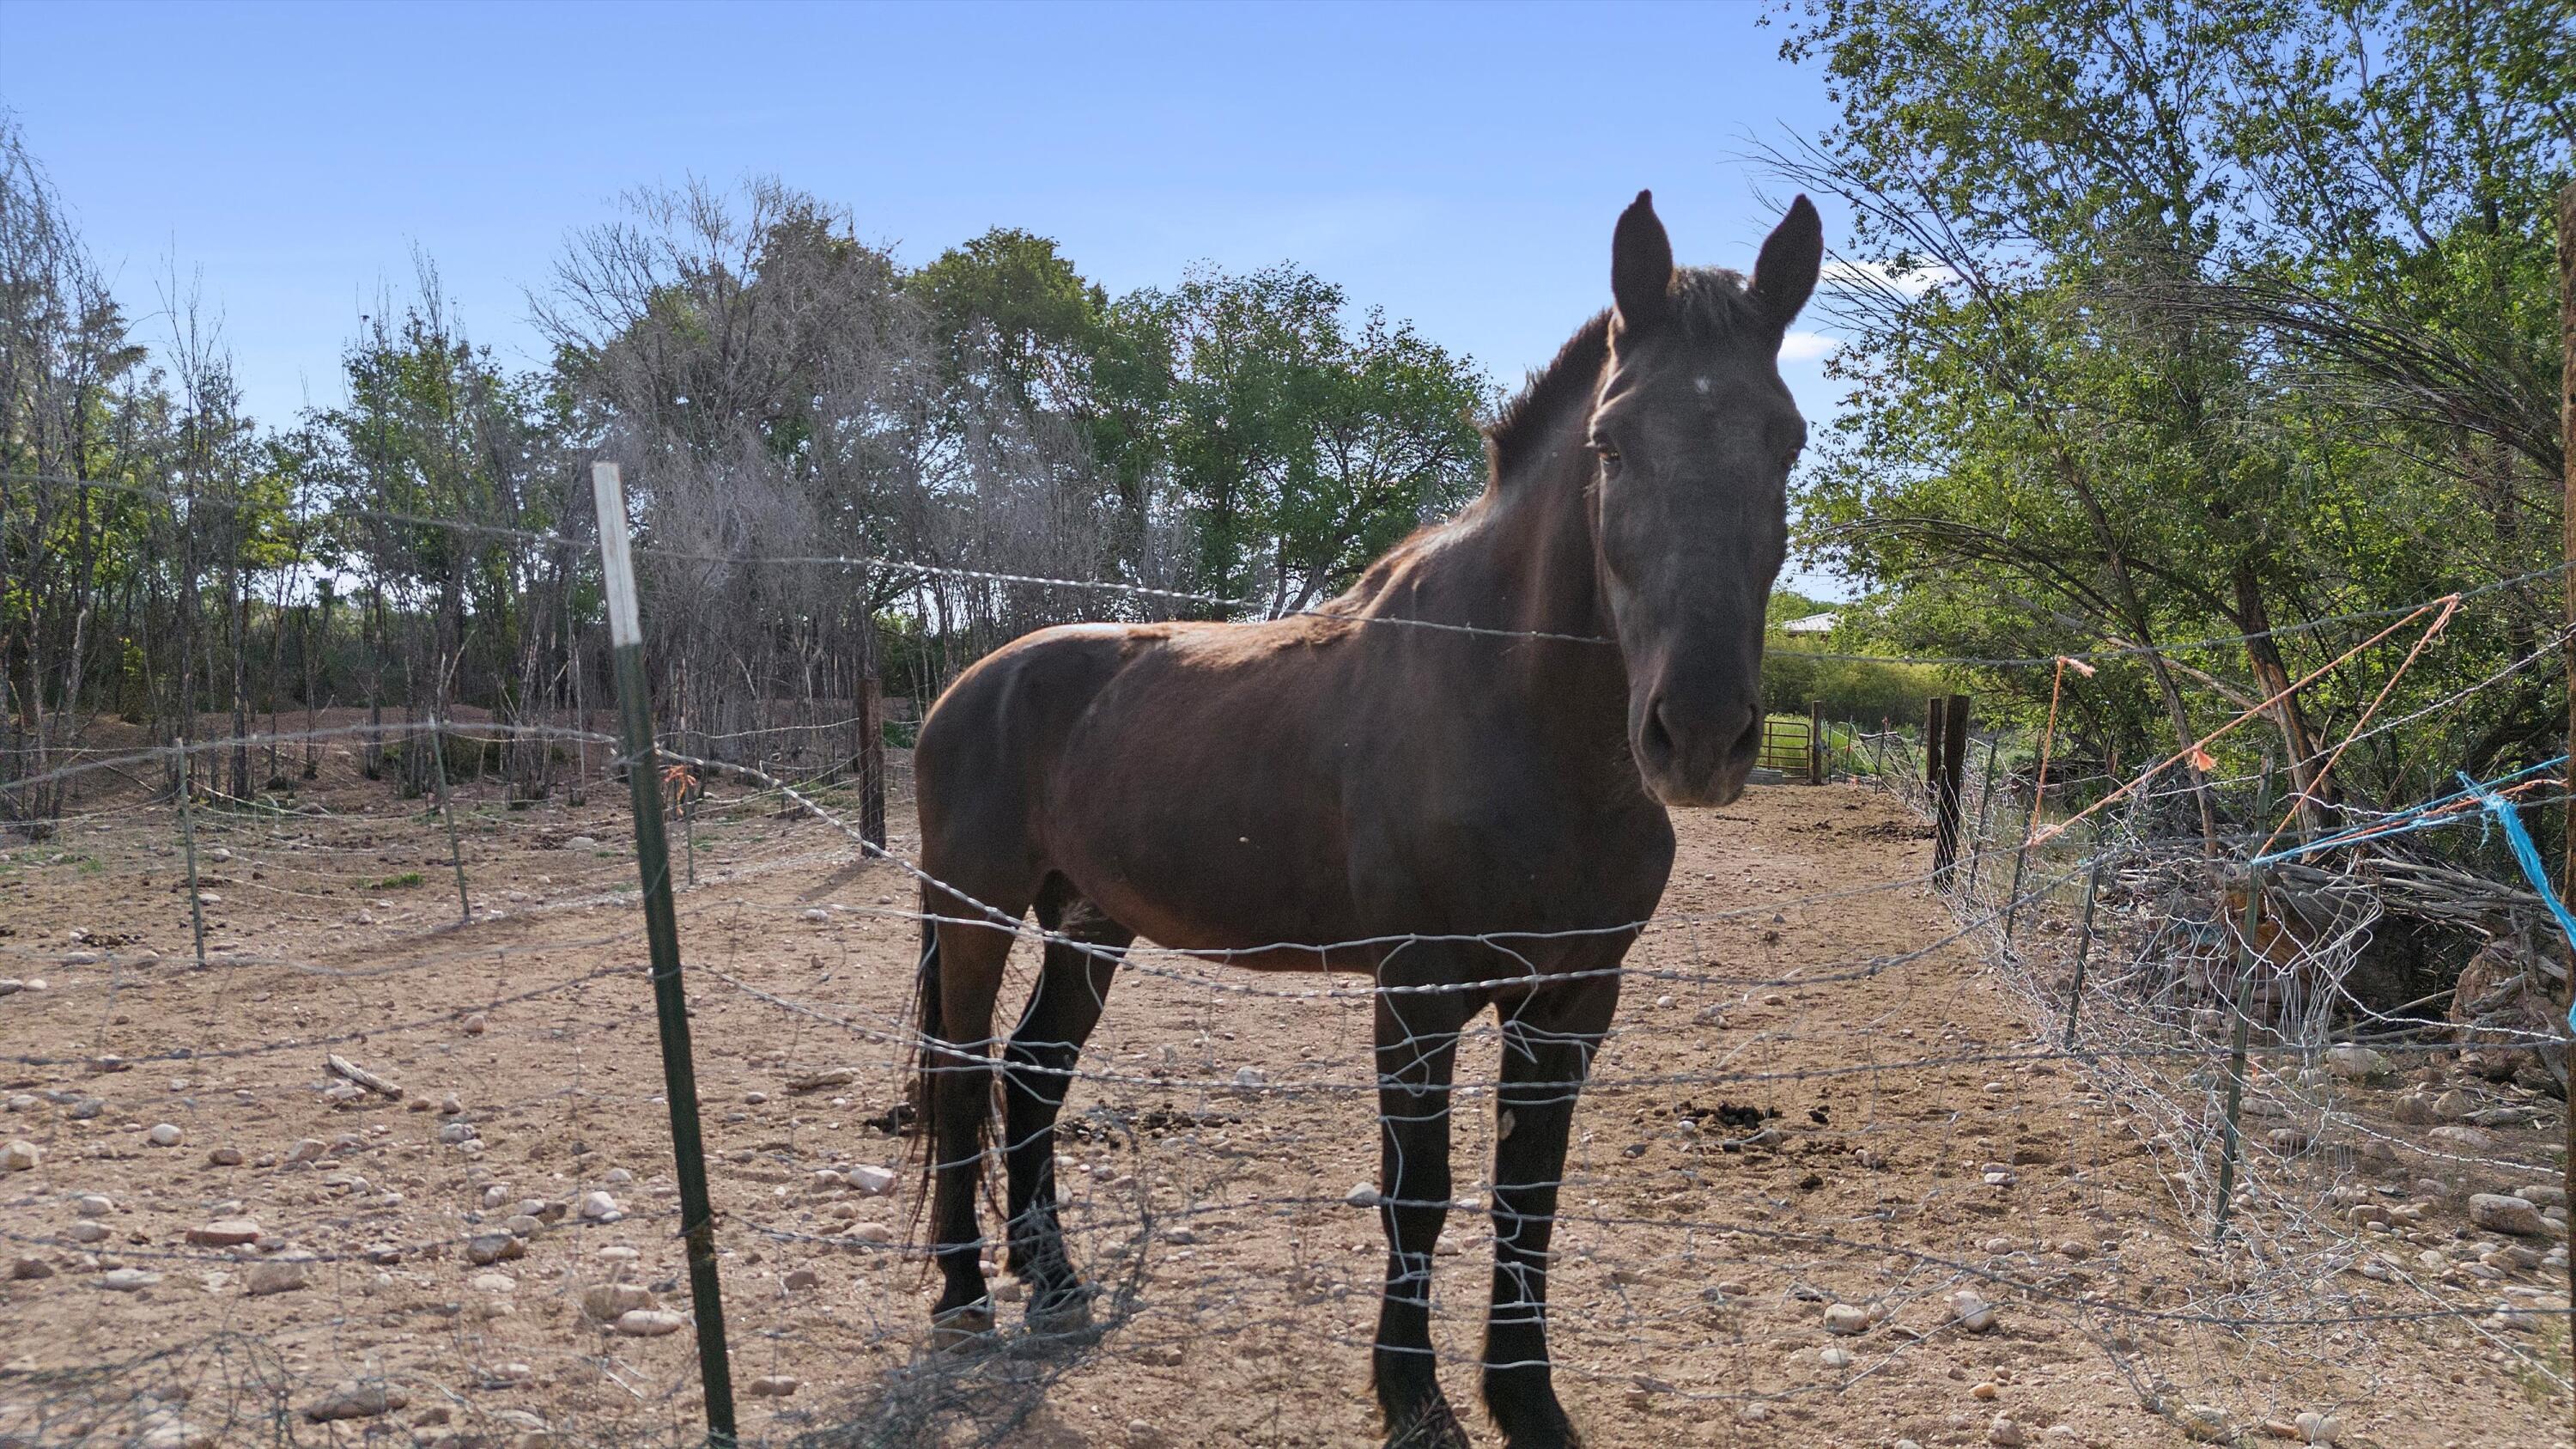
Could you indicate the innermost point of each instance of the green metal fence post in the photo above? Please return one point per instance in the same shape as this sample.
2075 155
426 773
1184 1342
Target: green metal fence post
2083 944
662 932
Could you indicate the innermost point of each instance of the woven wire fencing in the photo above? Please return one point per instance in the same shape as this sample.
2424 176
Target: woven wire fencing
391 1165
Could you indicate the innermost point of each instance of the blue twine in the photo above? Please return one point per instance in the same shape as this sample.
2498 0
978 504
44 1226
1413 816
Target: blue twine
2413 817
2527 855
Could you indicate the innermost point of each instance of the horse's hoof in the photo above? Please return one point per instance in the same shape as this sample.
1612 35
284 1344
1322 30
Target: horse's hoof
956 1330
1431 1425
1069 1314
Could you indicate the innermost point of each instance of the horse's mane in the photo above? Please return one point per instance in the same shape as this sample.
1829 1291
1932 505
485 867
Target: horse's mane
1710 304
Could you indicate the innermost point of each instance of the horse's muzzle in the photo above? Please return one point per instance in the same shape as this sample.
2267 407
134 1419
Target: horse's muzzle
1697 755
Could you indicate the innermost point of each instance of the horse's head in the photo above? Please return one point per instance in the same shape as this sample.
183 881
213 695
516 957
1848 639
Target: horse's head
1695 434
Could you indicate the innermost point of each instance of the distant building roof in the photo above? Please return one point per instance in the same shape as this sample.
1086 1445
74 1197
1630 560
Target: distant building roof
1812 624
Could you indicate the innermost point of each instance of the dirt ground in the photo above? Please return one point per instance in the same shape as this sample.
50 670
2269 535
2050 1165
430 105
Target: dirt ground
1222 1120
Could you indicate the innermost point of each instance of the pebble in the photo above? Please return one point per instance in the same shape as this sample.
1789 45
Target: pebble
29 1269
1362 1194
502 1375
457 1133
2316 1428
20 1156
1846 1319
224 1157
523 1225
356 1401
86 1231
877 1233
279 1275
224 1233
815 913
2513 1215
2207 1424
803 1278
93 1205
2005 1432
475 1025
305 1149
599 1207
492 1283
1834 1358
2464 1139
870 1181
1973 1312
774 1386
2356 1063
128 1280
450 1105
651 1322
608 1302
1987 1390
488 1248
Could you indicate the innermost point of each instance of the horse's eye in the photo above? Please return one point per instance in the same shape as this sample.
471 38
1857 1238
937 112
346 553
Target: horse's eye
1608 453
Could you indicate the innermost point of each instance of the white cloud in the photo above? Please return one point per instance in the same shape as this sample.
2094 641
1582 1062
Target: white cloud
1805 346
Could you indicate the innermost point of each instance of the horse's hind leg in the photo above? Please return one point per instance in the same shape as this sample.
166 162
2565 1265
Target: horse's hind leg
1073 986
1417 1048
1548 1042
964 970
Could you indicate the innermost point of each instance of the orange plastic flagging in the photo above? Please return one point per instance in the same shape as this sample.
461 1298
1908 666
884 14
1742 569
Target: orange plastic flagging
2317 783
2048 738
2198 750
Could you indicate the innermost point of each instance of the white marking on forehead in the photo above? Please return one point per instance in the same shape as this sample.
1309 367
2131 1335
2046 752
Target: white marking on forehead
1701 383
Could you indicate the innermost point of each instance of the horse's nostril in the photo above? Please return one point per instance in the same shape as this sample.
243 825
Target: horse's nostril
1748 741
1659 736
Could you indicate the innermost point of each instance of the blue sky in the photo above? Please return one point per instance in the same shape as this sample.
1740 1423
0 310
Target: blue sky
1459 166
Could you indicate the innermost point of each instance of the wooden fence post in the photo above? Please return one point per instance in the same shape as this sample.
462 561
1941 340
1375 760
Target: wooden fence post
447 812
1946 804
1815 742
872 769
662 936
1936 713
2567 588
188 839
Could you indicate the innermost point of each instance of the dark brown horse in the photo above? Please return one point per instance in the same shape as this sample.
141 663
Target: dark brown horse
1462 763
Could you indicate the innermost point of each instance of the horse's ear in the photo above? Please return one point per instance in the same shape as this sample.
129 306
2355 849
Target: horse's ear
1641 263
1784 276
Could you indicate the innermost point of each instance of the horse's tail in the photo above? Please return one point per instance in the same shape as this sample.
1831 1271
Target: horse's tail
929 1021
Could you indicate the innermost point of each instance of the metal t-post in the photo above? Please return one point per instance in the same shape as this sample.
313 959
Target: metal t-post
2247 958
662 933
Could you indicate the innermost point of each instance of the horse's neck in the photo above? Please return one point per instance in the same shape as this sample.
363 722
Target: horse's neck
1526 563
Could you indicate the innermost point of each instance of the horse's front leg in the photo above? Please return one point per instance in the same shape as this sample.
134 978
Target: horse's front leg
1417 1047
1548 1042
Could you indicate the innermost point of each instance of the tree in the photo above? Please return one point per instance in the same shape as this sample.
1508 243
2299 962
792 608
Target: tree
2177 319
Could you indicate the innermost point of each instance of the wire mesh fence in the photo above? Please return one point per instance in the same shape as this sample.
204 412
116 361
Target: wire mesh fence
1874 1152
